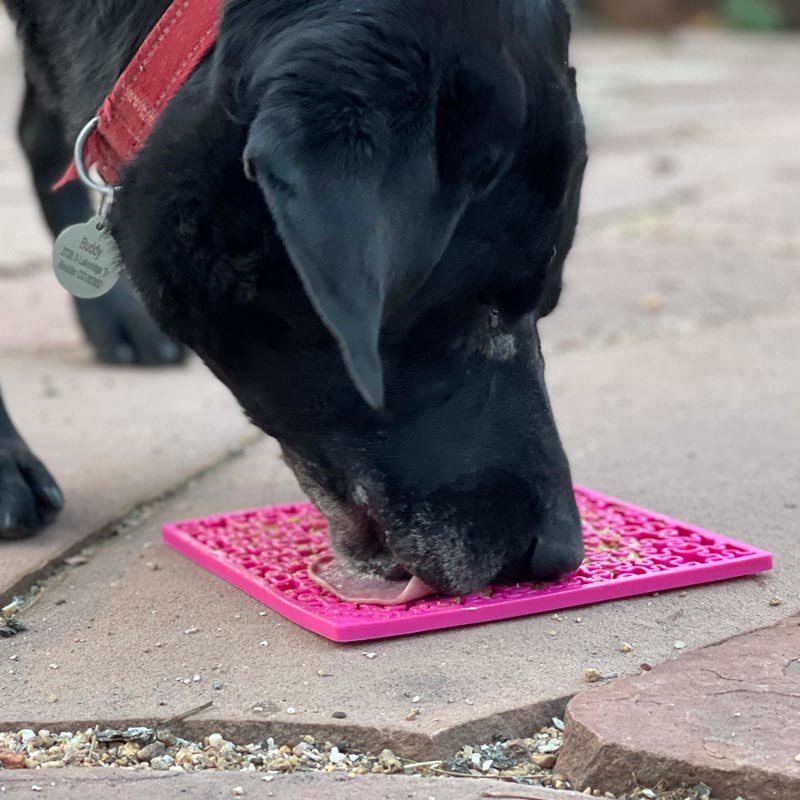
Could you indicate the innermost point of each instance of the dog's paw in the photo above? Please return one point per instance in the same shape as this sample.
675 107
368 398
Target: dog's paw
29 496
121 331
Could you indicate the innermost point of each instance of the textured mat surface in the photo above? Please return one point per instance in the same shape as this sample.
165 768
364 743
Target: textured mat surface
629 551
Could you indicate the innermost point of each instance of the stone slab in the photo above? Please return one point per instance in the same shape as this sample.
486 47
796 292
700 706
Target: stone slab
661 423
38 316
114 439
727 716
691 410
126 785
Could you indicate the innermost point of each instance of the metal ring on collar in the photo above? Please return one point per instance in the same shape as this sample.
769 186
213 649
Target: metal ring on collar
80 166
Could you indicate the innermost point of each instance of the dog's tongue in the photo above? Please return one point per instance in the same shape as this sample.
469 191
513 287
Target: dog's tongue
356 587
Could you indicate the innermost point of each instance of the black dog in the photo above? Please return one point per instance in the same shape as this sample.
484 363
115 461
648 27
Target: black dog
368 283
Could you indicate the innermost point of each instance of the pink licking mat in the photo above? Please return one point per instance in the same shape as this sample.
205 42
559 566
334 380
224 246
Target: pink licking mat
629 551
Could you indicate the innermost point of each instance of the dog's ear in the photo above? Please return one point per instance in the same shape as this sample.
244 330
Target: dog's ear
362 237
333 233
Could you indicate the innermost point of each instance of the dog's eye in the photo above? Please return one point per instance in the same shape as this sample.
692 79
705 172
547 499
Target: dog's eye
276 183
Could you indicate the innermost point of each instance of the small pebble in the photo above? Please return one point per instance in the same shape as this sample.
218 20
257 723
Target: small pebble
797 757
390 762
412 715
11 760
592 675
370 655
626 648
51 698
679 645
339 715
190 631
544 760
61 602
151 751
217 685
265 643
291 710
775 601
237 790
645 668
652 301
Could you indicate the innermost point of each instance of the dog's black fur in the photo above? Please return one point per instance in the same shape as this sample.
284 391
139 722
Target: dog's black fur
371 294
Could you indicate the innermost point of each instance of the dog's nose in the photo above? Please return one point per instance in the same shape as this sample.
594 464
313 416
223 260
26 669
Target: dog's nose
558 547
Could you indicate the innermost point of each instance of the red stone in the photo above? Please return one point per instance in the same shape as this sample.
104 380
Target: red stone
727 716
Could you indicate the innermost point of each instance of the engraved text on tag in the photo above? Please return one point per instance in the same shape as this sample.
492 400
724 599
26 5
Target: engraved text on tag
86 259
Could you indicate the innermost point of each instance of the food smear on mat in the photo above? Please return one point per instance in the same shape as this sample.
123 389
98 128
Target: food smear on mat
352 586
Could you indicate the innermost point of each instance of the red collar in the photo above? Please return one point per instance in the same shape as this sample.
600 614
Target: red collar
168 56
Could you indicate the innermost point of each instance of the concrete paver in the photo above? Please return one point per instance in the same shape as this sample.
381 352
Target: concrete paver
473 683
672 366
101 784
114 439
727 716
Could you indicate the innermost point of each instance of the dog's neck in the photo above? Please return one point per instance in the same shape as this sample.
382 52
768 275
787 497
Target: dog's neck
72 74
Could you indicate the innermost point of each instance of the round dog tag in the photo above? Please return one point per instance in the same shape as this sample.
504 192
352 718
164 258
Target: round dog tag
86 259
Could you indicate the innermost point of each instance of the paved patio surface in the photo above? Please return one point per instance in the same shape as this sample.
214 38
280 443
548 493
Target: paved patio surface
673 372
168 786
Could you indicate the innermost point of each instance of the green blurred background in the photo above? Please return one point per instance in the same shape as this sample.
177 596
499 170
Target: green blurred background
753 15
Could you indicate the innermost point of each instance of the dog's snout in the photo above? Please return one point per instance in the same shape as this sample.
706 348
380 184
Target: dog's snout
553 539
558 544
499 530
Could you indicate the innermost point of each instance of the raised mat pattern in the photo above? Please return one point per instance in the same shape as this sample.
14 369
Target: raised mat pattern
629 551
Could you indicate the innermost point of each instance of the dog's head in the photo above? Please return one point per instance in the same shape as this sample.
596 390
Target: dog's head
356 215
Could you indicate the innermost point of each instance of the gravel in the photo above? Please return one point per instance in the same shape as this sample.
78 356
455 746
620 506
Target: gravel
529 762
